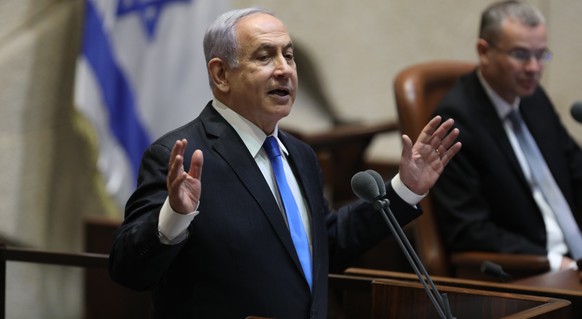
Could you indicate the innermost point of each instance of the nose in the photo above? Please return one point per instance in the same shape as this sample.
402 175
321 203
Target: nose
283 66
533 64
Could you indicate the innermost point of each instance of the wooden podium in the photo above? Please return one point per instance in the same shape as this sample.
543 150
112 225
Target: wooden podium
406 299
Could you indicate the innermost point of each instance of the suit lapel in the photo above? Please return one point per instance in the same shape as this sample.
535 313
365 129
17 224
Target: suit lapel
298 160
537 118
491 121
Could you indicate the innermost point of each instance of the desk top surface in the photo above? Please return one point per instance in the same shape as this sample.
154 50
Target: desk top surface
566 279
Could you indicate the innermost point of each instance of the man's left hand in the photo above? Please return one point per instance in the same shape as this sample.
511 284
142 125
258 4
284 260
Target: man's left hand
421 164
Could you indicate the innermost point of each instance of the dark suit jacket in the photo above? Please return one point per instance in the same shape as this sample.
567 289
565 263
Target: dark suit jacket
239 258
482 200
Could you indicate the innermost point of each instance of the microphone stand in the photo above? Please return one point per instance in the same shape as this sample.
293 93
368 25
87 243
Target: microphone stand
440 301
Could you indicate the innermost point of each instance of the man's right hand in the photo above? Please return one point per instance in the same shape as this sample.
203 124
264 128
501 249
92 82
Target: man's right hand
568 263
184 188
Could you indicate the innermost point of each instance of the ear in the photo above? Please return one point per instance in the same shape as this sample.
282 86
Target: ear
483 49
219 71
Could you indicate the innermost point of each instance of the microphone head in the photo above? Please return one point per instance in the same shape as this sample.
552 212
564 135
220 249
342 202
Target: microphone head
379 181
365 186
576 111
493 269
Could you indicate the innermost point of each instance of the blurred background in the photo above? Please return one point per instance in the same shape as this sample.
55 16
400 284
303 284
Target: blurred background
50 179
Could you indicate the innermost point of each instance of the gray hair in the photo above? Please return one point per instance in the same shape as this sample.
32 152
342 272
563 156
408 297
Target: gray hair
220 39
494 15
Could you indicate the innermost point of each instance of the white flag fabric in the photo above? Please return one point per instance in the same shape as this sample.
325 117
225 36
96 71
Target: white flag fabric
141 73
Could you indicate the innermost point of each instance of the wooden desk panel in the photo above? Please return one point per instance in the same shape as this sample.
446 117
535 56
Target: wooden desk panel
406 299
554 285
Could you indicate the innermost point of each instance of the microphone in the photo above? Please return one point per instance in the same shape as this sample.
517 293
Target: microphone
493 269
370 187
379 181
576 111
365 187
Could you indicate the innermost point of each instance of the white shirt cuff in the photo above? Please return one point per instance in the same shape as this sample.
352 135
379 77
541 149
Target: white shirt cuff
172 224
406 194
555 261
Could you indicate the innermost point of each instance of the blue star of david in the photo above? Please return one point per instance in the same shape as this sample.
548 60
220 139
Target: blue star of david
148 10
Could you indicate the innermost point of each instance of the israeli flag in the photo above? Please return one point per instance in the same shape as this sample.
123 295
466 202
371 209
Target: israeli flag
141 73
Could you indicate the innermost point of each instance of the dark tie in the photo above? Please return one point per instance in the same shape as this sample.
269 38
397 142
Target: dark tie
296 227
543 179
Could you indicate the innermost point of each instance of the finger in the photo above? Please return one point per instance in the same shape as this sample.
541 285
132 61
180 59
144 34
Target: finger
444 129
196 164
406 147
443 137
176 161
449 139
178 149
451 152
434 132
175 170
428 130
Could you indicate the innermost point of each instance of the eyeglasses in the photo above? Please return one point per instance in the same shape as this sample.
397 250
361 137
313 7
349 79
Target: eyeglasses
524 56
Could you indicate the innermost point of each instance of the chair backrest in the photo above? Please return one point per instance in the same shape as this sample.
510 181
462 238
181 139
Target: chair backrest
417 90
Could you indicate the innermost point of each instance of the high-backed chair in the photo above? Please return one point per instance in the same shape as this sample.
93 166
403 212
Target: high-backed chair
418 89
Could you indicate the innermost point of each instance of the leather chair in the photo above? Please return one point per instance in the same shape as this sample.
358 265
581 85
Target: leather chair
418 89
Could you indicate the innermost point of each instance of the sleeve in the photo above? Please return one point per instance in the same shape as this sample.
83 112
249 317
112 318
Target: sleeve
138 259
357 227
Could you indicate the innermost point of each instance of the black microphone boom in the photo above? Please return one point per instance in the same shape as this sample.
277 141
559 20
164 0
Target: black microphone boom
576 111
370 187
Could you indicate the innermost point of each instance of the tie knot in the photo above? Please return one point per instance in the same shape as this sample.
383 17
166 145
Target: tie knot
515 119
271 147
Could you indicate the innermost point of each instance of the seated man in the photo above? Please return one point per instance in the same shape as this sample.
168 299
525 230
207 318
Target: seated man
493 197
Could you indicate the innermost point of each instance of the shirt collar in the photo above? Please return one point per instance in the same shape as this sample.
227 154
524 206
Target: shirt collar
501 106
252 136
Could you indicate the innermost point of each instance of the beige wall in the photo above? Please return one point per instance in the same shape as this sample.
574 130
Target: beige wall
46 185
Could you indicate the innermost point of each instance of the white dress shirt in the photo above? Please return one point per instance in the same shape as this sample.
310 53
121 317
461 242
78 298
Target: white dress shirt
556 245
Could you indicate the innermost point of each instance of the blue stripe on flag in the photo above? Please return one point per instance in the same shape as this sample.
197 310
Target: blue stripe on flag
116 92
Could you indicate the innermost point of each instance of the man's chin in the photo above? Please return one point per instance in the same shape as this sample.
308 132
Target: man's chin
528 90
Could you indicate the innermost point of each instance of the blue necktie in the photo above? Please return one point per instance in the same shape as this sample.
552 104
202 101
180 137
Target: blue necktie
542 178
298 234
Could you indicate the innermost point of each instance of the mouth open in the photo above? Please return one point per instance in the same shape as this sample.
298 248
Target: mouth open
279 92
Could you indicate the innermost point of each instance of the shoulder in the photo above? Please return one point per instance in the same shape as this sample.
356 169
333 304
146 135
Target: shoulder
466 87
458 101
207 123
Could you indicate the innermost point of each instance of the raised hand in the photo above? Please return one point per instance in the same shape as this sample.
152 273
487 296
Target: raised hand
421 164
184 188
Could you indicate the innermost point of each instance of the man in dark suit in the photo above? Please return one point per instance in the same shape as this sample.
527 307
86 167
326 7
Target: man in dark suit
488 198
215 242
